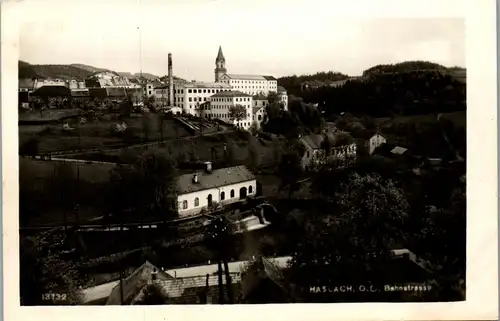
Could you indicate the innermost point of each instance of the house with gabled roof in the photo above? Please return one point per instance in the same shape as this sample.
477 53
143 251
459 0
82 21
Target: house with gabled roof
203 189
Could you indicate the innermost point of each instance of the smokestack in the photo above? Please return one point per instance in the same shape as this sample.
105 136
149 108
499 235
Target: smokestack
170 82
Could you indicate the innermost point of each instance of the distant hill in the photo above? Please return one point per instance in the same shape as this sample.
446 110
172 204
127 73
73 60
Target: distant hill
293 84
89 68
125 74
146 75
64 72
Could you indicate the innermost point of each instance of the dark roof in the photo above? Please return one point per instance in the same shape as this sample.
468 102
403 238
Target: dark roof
259 97
100 93
230 93
262 267
134 284
218 178
313 141
187 290
269 77
281 89
52 91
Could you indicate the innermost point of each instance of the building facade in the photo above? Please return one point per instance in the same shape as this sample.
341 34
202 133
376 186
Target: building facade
375 141
201 190
221 103
191 95
248 84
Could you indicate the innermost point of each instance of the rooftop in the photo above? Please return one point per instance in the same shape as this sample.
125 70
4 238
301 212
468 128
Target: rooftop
256 109
52 91
204 85
250 77
133 284
259 97
217 178
281 89
231 93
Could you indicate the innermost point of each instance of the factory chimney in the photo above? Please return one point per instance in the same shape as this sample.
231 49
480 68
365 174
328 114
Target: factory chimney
170 82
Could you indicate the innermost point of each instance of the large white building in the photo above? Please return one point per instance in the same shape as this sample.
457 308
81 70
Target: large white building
221 103
248 84
202 189
191 95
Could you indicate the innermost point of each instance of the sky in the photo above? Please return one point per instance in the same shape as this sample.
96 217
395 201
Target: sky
278 38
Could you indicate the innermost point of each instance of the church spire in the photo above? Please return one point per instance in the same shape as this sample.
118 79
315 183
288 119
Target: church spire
220 55
220 65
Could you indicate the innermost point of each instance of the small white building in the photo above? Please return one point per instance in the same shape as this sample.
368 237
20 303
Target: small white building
258 116
221 103
199 190
375 141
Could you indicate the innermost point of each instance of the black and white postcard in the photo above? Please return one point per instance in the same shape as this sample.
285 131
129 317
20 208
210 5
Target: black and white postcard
310 159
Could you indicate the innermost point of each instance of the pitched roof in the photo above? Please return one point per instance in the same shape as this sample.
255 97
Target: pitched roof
217 178
259 97
176 288
313 141
250 77
269 269
134 284
281 89
399 150
256 109
230 93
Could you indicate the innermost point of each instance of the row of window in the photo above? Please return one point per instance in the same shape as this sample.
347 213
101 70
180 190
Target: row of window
205 91
243 191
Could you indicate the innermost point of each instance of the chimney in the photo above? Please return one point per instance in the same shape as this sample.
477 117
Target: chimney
195 178
170 82
208 167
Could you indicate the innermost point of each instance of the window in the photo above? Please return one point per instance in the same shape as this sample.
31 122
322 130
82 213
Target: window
196 202
232 193
222 196
190 99
189 90
209 199
250 189
184 205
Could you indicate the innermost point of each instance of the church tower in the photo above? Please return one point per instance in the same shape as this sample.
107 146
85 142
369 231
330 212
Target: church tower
220 65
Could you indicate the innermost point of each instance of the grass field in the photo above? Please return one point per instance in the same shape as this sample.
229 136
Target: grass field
201 147
101 133
47 114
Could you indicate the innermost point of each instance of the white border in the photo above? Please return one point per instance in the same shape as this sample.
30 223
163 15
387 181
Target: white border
482 281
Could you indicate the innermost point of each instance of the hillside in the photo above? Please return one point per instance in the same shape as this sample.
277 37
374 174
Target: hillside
89 68
146 75
65 72
293 84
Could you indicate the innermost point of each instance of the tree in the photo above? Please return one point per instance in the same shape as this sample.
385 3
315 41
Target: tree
290 170
272 97
48 266
146 126
353 247
237 113
273 110
253 153
254 128
218 234
126 106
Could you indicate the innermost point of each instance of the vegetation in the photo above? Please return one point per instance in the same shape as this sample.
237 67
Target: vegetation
293 83
237 113
48 272
65 72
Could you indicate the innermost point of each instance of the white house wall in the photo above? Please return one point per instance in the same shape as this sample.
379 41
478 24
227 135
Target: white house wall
216 194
